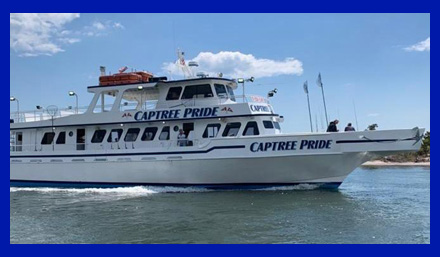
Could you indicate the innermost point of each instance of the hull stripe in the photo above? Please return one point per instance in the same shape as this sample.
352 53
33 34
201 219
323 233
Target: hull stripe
62 184
129 154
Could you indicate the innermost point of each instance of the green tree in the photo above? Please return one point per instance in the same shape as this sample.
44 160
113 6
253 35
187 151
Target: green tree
425 150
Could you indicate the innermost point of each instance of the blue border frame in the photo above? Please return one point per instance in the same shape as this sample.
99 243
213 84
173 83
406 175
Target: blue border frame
344 6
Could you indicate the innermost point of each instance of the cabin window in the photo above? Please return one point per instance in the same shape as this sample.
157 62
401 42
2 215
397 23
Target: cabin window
165 134
277 125
149 134
212 130
99 136
48 138
115 135
132 135
268 124
251 129
199 91
231 93
232 129
61 140
221 90
174 93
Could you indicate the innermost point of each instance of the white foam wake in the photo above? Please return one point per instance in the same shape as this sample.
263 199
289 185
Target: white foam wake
140 190
300 187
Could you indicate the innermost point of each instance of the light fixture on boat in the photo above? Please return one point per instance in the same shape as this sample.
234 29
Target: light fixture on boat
13 99
122 125
140 88
72 93
39 107
272 93
242 81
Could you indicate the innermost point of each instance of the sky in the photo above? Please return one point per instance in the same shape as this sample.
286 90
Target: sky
376 64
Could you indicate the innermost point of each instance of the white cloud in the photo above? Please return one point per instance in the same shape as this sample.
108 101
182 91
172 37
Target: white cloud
236 64
422 46
99 28
34 34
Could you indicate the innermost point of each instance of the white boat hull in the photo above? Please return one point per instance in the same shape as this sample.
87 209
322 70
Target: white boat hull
219 164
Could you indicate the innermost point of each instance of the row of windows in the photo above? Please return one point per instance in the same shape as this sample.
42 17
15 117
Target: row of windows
149 134
199 91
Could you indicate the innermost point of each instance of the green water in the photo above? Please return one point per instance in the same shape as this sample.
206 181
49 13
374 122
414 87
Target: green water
372 206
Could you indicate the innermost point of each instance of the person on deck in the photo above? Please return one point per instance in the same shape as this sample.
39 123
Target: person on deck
181 138
349 128
332 127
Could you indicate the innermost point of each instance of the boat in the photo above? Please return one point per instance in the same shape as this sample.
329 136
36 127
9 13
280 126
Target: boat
142 130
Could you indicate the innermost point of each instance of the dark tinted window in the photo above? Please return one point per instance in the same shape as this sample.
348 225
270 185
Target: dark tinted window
99 135
115 135
149 134
231 93
199 91
174 93
251 129
165 134
211 130
61 140
132 134
48 138
277 125
268 124
220 90
232 129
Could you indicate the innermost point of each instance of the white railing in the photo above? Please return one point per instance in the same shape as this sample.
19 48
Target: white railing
108 147
43 114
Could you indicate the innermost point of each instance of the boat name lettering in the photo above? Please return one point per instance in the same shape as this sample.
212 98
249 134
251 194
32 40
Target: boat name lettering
291 145
259 108
177 114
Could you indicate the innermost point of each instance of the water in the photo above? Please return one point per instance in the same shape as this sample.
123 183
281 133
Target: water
372 206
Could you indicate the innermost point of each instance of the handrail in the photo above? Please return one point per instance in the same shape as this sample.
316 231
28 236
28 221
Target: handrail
108 147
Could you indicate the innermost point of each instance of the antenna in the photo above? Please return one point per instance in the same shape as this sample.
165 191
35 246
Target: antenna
181 63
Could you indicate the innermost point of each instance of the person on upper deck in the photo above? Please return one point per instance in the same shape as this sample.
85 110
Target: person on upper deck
332 127
349 128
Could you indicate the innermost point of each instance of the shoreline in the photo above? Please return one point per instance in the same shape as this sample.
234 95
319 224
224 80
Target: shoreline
397 164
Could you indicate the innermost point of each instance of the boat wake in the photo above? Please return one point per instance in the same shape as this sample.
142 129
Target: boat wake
150 190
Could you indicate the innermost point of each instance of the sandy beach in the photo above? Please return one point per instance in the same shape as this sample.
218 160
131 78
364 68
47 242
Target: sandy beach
382 163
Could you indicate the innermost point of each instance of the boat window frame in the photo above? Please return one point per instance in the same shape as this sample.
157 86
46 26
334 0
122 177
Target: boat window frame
228 128
179 94
44 140
231 93
98 140
120 132
61 139
144 135
249 125
265 122
163 131
206 95
213 125
216 85
277 125
129 132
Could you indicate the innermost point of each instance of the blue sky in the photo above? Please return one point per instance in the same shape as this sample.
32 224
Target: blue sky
379 61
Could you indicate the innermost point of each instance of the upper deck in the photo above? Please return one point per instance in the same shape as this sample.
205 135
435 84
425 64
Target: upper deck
160 100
